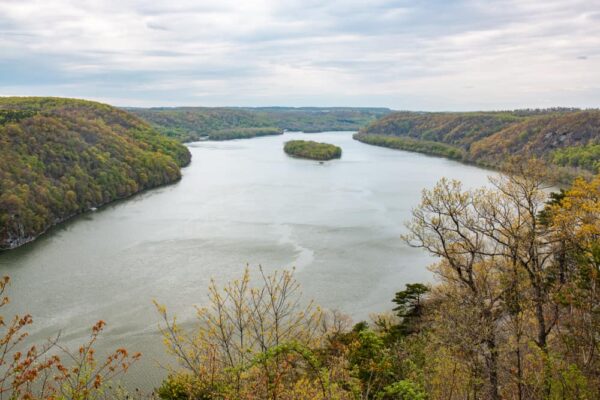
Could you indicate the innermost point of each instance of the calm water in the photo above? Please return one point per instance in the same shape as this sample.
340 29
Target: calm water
239 202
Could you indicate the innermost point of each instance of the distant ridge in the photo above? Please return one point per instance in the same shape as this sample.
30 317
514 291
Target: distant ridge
193 123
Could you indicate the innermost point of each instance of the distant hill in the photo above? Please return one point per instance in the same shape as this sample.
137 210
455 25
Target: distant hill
193 123
567 138
61 157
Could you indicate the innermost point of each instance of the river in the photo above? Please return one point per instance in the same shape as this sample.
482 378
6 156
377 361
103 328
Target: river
240 202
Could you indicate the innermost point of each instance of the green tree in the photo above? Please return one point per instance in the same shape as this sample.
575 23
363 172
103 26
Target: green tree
409 306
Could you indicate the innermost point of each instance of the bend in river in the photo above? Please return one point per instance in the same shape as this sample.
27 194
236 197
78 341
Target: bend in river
244 201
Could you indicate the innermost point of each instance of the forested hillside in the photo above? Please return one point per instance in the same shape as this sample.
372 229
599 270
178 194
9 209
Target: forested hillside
566 137
316 119
60 157
193 123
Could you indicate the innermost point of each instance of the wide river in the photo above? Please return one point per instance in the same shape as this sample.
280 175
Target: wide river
240 202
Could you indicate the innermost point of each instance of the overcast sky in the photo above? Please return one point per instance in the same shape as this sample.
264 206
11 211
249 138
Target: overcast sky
415 55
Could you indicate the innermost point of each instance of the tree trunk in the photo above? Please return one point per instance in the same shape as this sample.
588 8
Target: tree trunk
542 339
493 369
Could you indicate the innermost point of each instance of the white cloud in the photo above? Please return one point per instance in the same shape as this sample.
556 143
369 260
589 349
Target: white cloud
469 54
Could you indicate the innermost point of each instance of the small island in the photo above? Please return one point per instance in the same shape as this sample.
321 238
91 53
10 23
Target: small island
312 150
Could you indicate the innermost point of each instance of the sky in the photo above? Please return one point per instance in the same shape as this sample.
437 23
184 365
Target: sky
406 55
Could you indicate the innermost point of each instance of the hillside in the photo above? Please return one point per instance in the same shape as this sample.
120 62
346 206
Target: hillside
568 138
194 123
318 119
61 157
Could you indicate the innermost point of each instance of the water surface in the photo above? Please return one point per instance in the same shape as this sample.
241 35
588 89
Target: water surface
239 202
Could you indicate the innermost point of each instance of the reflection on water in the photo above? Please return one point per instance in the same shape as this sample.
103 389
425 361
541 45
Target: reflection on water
239 202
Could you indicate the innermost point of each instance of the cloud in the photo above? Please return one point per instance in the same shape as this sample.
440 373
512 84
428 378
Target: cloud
465 54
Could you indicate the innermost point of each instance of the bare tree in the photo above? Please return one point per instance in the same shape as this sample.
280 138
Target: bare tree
241 324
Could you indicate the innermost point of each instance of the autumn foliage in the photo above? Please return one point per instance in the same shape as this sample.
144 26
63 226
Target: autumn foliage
61 157
566 138
513 313
53 371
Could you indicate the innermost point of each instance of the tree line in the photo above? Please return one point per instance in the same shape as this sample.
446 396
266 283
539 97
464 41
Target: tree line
243 133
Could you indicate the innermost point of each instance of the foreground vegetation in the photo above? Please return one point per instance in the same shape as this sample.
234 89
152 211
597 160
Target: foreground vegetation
52 371
513 314
568 138
194 123
61 157
312 150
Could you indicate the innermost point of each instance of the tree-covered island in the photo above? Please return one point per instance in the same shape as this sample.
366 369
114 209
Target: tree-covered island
312 150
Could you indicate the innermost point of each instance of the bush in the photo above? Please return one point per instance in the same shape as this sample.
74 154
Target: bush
183 387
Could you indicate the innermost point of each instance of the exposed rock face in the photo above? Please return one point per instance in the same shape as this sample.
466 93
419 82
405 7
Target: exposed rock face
15 238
